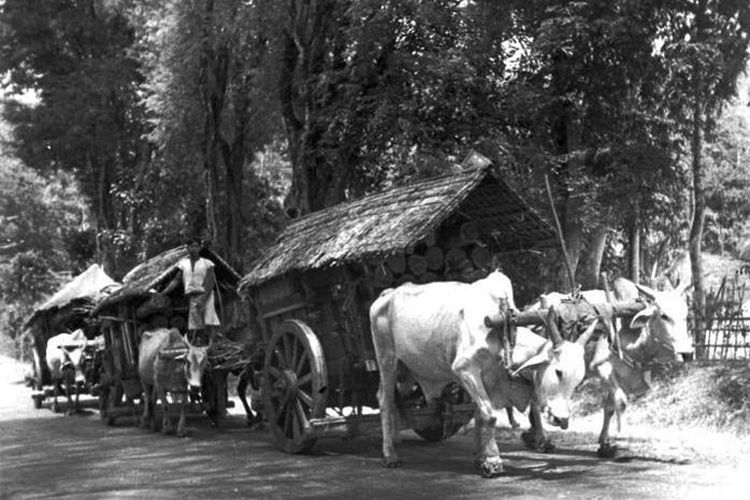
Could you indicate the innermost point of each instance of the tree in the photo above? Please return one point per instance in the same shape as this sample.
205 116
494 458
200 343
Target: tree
705 50
728 178
75 55
208 95
586 91
367 88
37 217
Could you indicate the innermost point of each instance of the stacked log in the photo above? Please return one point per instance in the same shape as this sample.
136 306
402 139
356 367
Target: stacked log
456 254
156 303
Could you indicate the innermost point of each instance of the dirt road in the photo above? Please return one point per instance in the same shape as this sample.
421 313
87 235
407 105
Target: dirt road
45 455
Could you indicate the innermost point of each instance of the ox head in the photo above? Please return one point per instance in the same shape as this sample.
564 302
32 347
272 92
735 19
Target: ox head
73 350
663 325
558 368
196 361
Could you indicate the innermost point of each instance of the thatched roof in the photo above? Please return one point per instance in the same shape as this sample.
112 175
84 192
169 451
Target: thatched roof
397 219
157 271
90 285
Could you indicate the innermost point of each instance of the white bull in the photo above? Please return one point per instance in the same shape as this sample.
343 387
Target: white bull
438 332
656 334
167 362
64 356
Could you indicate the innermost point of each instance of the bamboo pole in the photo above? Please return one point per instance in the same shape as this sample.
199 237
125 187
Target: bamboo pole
571 277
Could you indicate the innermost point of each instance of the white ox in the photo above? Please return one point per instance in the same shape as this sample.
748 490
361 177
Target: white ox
167 362
438 332
656 334
64 356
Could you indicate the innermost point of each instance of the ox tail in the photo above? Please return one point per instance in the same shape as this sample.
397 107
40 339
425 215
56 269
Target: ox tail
380 326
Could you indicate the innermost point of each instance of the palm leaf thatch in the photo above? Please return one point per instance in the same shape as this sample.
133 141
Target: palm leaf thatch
82 292
396 220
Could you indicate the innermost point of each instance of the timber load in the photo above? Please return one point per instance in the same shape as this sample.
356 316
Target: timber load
229 355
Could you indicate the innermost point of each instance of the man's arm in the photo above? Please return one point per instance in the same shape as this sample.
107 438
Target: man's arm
174 283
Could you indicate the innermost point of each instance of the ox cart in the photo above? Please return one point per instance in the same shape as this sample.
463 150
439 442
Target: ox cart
137 307
66 311
311 291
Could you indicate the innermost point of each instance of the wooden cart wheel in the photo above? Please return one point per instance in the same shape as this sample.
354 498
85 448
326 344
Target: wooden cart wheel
294 385
454 394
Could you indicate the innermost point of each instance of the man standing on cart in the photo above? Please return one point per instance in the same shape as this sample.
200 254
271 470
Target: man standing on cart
198 279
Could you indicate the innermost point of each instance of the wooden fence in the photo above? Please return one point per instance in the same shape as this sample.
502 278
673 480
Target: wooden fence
727 333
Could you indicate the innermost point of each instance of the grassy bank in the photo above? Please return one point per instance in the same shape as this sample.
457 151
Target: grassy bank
710 395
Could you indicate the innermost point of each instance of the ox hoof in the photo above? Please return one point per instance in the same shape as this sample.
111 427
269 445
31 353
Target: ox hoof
182 433
489 468
167 429
607 450
391 463
538 443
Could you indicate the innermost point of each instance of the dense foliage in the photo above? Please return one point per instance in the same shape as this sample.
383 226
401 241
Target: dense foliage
208 116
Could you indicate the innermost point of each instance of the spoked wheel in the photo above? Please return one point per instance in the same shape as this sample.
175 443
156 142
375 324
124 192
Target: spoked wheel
294 385
452 394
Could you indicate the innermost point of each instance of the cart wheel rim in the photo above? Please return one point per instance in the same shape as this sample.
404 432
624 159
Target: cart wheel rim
294 385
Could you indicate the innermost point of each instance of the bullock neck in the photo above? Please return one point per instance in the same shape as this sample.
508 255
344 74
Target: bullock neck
645 353
631 353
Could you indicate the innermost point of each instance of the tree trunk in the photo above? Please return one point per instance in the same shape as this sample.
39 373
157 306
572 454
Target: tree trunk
696 227
105 251
634 256
296 202
593 262
214 78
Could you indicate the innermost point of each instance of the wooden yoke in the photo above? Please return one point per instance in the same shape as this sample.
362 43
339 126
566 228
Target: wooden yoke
174 353
537 317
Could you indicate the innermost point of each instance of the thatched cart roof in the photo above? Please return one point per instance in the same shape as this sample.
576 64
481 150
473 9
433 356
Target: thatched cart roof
89 286
398 219
157 271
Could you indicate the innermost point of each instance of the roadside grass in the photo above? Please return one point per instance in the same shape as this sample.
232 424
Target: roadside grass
710 395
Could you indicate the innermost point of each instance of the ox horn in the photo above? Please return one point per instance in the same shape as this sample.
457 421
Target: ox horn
552 330
648 292
586 335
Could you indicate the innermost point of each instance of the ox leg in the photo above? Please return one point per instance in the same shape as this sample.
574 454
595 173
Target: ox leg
55 393
487 461
77 406
511 418
535 438
68 394
606 448
242 384
147 419
166 423
615 403
181 429
488 456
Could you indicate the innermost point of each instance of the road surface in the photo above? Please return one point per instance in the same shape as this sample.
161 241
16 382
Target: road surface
47 455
